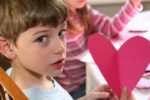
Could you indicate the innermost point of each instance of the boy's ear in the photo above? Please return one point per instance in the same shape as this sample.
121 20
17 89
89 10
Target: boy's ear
5 48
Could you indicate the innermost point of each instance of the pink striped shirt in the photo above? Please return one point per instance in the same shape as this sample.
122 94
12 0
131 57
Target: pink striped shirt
75 71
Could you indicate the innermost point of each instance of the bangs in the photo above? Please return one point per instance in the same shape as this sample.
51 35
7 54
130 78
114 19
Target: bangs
20 15
50 14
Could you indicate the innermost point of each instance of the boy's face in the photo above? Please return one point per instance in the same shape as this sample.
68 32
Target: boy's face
41 50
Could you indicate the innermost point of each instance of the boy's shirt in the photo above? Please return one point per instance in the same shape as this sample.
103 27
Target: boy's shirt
56 93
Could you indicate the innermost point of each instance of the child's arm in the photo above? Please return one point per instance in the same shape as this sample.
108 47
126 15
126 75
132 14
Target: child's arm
113 26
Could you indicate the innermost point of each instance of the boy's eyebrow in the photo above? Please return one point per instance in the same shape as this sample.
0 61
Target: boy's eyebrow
41 31
49 29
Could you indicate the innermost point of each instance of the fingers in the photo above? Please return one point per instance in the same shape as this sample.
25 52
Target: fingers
95 96
99 95
106 89
124 95
105 92
102 95
103 88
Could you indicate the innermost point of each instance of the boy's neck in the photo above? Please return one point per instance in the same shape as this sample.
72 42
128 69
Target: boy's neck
25 80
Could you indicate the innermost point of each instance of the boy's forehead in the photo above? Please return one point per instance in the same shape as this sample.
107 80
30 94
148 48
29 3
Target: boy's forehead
49 27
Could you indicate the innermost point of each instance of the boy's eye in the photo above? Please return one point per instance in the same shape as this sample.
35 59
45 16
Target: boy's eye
42 39
62 32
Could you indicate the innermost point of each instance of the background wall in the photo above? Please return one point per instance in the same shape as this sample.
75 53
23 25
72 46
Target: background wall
110 7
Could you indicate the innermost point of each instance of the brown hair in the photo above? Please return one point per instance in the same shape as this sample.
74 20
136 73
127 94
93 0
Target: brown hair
17 16
85 18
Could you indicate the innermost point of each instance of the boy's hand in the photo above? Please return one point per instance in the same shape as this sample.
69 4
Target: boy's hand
125 96
103 92
136 3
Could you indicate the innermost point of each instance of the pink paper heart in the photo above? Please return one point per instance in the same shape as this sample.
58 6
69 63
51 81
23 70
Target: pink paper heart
123 67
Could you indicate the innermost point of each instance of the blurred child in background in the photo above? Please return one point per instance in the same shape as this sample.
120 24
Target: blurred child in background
84 21
32 39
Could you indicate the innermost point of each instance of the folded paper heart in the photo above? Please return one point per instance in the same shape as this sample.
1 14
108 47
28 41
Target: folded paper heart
123 67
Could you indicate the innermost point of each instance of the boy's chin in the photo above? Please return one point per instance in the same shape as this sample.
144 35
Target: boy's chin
56 73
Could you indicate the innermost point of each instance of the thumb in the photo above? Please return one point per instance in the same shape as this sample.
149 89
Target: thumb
124 94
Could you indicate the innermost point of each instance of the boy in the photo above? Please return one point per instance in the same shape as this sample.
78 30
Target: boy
32 39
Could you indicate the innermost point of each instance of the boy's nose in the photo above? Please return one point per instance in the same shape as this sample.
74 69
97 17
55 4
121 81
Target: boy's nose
59 47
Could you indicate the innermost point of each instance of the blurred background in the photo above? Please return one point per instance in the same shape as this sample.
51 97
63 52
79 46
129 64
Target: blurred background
110 7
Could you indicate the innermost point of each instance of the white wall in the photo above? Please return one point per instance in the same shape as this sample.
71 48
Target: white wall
109 1
110 7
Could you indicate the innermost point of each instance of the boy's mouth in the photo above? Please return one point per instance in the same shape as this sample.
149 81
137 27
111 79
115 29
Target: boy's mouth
59 64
